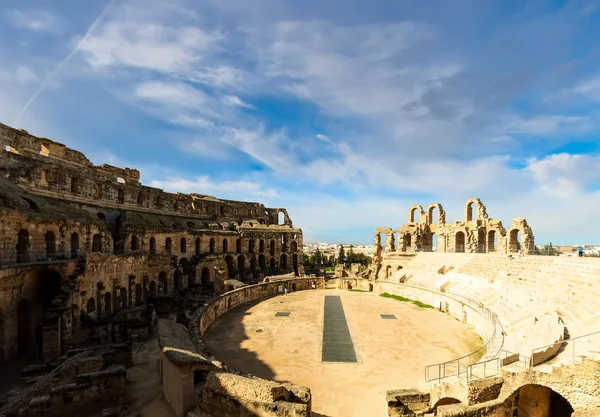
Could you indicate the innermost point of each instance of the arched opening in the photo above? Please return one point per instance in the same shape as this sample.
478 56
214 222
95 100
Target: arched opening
459 244
241 261
23 246
91 306
177 280
238 246
283 262
74 185
97 243
433 215
123 297
152 289
197 246
434 242
415 215
212 245
261 246
139 294
294 246
272 248
295 264
74 245
120 195
225 248
514 244
388 271
230 270
393 241
140 199
134 243
50 244
262 263
471 212
280 218
539 401
191 277
272 266
492 241
107 304
205 276
168 245
253 267
445 401
251 246
23 327
182 245
382 241
406 241
152 246
481 241
164 284
371 287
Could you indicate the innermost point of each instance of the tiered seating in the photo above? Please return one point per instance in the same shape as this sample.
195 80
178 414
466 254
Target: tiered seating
429 263
533 296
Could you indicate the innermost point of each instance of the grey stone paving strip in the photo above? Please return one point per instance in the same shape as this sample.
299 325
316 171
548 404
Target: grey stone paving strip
337 343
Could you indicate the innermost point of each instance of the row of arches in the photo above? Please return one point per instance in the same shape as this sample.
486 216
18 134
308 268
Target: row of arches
275 266
212 246
51 252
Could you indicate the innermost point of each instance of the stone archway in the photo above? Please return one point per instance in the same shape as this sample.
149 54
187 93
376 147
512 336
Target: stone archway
205 276
539 401
459 242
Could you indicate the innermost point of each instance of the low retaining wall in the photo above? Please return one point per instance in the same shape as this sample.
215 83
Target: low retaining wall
206 315
228 392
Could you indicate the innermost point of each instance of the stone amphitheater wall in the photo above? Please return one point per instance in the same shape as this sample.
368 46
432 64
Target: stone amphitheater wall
206 315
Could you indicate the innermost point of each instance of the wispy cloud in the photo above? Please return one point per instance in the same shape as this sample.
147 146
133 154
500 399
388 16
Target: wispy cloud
242 190
34 20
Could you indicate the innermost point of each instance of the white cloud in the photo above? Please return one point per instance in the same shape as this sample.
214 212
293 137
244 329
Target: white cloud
234 100
21 75
589 88
148 45
175 94
565 174
242 190
547 124
34 20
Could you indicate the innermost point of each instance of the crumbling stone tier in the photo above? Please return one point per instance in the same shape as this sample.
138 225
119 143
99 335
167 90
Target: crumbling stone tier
87 252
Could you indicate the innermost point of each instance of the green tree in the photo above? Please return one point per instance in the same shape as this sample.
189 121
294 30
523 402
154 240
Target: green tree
318 258
341 256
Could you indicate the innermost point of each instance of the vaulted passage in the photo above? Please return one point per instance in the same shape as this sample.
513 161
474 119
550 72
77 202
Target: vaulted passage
337 343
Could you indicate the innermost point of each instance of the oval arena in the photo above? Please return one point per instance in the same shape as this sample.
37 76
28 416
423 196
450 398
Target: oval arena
117 298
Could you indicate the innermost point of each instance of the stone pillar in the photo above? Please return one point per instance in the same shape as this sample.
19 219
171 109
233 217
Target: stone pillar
51 336
131 301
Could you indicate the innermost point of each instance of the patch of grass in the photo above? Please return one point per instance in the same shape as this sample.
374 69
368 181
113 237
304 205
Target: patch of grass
400 298
353 290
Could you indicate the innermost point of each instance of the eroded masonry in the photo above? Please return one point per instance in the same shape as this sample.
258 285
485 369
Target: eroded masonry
90 257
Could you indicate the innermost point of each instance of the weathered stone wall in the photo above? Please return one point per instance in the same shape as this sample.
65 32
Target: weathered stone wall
477 233
209 313
120 242
226 394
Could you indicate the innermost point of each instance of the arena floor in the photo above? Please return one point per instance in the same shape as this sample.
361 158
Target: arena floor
391 354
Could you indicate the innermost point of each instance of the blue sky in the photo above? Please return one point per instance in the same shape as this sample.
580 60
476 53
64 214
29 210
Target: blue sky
344 112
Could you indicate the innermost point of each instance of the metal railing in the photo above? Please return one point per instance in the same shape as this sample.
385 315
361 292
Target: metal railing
464 366
484 369
545 353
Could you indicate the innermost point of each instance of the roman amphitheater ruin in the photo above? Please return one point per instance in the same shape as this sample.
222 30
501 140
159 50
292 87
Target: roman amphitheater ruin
119 299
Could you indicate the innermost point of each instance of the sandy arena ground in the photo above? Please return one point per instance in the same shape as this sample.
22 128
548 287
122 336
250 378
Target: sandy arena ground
392 354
